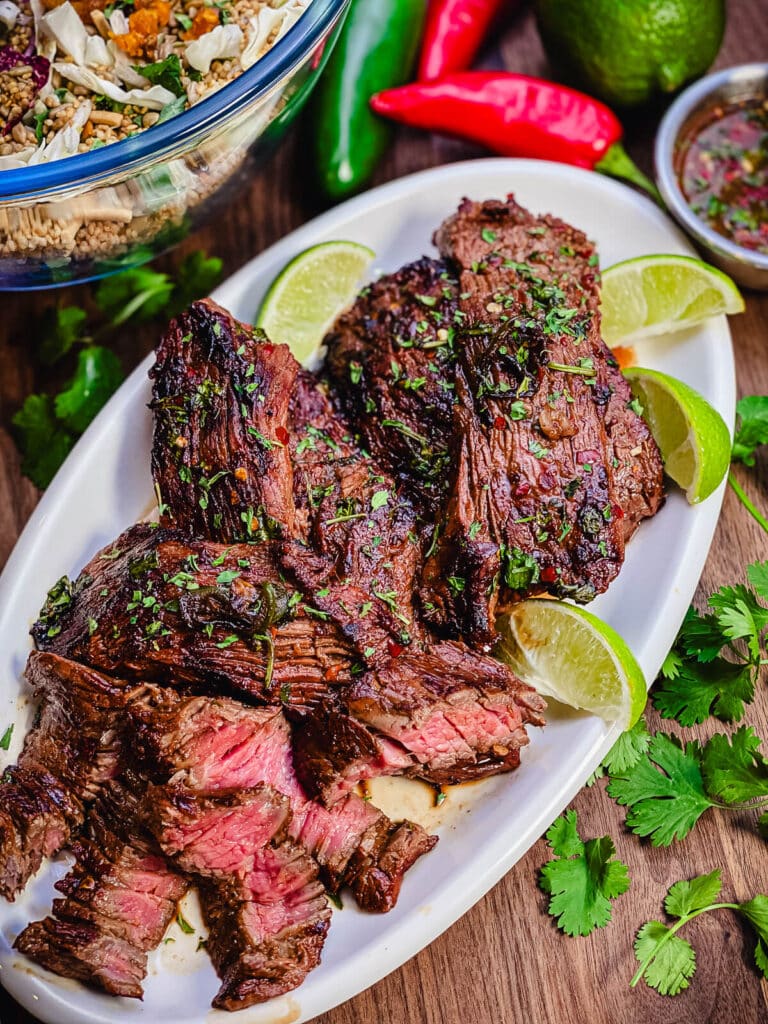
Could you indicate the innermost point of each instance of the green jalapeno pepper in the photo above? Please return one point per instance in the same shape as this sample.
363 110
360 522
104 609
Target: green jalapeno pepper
376 50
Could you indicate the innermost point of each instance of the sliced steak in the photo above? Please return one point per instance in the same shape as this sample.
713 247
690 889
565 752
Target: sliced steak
266 909
390 359
548 468
72 749
443 714
219 452
266 455
119 899
209 745
217 618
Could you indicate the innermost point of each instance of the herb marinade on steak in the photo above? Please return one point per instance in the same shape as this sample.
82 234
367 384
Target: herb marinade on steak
316 606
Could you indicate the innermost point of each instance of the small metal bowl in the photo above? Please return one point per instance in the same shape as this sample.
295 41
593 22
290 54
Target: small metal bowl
747 81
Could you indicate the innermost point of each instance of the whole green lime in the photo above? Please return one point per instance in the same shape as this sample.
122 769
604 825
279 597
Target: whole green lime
627 52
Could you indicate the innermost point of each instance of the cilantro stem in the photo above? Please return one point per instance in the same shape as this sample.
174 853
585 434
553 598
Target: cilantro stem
675 928
756 515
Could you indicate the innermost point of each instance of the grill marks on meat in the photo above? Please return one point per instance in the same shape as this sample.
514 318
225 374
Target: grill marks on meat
210 745
119 899
265 907
391 358
267 423
195 613
220 400
550 468
72 749
443 714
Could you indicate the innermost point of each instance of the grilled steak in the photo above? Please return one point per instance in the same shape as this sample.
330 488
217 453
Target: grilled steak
444 715
266 456
210 745
264 905
156 607
71 750
550 469
118 901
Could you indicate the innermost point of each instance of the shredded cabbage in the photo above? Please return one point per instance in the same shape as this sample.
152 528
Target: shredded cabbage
154 98
218 44
9 13
66 141
261 28
96 53
63 24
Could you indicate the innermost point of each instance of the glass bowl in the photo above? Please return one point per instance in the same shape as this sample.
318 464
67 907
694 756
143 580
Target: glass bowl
747 81
118 206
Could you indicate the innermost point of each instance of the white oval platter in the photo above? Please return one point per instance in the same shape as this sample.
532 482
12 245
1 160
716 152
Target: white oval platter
105 486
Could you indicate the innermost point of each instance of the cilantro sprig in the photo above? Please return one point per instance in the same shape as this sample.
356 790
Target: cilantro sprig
582 879
670 787
713 667
751 432
47 425
667 961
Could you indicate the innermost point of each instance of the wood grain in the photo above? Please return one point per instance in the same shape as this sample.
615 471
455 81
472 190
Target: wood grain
504 961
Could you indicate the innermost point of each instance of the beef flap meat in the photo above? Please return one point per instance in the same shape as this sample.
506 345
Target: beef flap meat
265 907
119 899
209 745
363 563
158 607
71 750
316 606
550 469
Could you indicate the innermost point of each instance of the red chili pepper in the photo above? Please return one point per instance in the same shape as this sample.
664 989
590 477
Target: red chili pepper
282 435
516 115
522 489
549 574
394 649
453 33
500 423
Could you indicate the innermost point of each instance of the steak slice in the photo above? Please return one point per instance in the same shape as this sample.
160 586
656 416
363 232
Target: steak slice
266 909
119 899
548 468
391 358
459 715
443 714
210 745
298 474
196 614
219 452
72 749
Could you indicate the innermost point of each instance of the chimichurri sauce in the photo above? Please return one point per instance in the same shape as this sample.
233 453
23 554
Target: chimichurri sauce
722 166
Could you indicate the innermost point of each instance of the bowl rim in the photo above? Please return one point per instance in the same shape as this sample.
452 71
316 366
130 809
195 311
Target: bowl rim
664 146
129 154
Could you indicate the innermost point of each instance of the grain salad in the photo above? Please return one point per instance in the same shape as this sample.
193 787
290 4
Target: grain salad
78 75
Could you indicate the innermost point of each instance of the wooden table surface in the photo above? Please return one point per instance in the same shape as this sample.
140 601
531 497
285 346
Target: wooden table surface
505 961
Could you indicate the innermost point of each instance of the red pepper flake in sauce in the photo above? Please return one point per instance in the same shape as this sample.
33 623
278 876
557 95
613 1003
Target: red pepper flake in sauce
549 574
500 423
618 511
268 348
722 166
394 649
282 435
522 489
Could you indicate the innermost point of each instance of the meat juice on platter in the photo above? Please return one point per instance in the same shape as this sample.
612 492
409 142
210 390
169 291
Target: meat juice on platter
314 610
722 165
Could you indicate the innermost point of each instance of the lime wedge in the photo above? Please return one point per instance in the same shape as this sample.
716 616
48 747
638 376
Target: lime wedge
693 438
568 653
309 293
652 295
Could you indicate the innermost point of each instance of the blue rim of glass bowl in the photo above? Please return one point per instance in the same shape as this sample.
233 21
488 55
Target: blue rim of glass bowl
120 157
